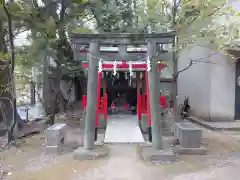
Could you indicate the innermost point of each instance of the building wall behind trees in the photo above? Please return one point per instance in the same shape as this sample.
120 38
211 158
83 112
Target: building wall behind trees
209 83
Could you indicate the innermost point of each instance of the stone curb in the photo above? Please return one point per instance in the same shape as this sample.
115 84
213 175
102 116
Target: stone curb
210 127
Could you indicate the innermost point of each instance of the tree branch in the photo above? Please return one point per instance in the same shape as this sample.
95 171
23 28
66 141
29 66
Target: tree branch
21 31
216 10
203 58
211 14
17 33
198 60
175 76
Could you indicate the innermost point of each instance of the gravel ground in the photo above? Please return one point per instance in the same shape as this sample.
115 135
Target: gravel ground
28 162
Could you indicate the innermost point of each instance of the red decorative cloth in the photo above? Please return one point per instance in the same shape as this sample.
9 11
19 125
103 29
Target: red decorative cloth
163 101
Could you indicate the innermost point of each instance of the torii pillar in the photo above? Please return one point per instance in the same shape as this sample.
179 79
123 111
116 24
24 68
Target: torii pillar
154 84
90 119
90 151
156 152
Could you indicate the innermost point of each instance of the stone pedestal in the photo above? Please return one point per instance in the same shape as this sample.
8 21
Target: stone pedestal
55 138
189 137
194 151
98 152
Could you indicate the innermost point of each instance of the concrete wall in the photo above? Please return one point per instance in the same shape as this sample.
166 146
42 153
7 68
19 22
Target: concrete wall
210 86
195 82
222 104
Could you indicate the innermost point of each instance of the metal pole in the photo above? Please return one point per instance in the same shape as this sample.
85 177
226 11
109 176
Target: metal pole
89 133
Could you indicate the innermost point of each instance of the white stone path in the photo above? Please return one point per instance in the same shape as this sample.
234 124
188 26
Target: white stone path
123 129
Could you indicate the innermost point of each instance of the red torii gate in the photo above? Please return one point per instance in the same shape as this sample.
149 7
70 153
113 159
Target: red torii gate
143 105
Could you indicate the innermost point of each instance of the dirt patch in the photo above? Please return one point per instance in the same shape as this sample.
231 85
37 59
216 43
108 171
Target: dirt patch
28 161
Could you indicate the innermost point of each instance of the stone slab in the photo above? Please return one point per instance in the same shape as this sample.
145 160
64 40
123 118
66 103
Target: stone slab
194 151
53 150
123 129
161 156
96 153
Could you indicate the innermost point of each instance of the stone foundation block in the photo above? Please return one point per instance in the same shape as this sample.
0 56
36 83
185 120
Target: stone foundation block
166 155
194 151
54 137
188 135
96 153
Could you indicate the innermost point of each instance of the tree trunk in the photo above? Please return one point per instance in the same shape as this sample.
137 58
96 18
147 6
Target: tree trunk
33 93
6 79
6 99
175 86
46 85
176 114
55 93
2 41
61 103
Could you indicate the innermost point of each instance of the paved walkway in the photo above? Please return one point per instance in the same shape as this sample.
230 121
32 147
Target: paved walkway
123 129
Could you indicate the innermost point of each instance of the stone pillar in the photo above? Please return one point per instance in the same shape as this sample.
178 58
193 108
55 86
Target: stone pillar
91 96
155 109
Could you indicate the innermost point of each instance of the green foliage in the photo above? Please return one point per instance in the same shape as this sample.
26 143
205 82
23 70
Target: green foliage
112 16
193 20
80 1
73 69
4 56
4 88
